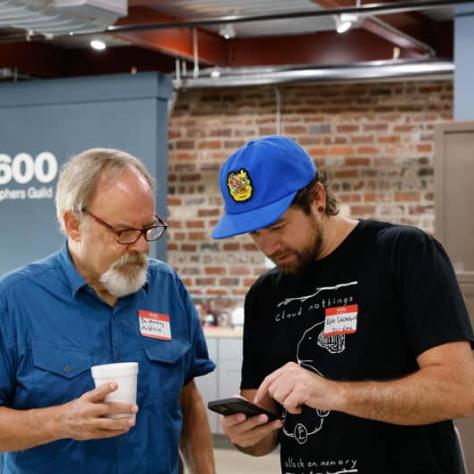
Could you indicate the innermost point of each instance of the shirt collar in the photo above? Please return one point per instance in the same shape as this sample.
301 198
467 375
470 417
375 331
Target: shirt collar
73 277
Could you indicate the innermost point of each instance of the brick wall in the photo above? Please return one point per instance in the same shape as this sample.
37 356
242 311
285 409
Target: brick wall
375 140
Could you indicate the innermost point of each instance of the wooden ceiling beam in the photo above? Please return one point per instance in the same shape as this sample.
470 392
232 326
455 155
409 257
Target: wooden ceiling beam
317 49
33 59
408 30
177 42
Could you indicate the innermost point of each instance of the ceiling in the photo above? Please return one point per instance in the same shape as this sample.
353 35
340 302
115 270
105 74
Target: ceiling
157 33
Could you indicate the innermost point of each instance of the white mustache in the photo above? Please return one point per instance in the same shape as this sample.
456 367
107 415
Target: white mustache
141 259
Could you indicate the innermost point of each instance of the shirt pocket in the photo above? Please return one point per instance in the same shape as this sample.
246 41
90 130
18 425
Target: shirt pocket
59 374
163 372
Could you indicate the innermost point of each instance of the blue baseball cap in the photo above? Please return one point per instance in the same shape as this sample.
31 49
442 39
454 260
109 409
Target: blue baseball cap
259 182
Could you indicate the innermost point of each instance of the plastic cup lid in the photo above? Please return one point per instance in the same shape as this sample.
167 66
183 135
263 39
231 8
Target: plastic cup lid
115 370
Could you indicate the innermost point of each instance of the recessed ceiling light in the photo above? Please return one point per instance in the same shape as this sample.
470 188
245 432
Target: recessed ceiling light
345 21
98 44
227 31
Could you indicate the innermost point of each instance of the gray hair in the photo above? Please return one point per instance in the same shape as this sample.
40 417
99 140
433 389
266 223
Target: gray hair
79 177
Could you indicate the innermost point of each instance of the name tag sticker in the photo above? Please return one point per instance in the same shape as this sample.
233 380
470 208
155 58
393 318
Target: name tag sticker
156 325
340 320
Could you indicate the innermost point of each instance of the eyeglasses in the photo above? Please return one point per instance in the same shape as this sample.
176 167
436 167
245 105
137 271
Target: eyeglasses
130 236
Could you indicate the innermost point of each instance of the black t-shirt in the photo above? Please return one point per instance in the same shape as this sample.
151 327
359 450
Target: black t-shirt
365 312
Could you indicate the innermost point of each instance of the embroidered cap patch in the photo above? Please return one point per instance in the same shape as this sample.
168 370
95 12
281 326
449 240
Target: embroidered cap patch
240 185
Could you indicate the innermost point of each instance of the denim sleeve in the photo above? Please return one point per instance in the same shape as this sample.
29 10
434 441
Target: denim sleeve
7 370
198 362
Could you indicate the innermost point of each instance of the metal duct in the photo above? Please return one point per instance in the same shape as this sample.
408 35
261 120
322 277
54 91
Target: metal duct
60 17
374 70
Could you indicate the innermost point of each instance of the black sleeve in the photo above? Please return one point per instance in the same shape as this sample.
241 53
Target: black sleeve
432 305
252 372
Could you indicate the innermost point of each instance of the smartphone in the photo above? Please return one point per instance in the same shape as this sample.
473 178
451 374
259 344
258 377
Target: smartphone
234 405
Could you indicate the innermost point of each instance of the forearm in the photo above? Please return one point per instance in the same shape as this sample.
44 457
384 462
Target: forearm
24 429
196 442
267 445
426 396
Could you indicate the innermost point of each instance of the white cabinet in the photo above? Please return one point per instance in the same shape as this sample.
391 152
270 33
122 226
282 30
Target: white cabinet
224 382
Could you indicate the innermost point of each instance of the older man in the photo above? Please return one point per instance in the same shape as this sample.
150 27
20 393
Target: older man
92 303
359 337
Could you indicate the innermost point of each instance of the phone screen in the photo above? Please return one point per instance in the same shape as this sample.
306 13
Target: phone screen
232 406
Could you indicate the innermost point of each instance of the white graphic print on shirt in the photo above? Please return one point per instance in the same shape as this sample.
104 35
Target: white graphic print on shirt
340 320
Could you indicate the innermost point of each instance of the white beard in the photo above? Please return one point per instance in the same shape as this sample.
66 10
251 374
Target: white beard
119 281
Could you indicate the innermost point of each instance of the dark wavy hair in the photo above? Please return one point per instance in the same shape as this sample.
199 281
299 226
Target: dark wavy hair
305 196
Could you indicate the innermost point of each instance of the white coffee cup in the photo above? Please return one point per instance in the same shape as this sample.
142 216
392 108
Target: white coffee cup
124 374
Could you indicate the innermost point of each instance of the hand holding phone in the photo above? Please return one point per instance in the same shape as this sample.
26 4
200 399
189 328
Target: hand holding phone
234 405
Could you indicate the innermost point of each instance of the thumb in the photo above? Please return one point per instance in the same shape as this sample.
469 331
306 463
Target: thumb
99 393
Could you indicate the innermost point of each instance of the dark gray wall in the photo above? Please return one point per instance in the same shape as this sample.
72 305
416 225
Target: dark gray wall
464 69
64 117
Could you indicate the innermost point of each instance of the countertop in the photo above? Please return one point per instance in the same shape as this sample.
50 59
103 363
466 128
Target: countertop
213 331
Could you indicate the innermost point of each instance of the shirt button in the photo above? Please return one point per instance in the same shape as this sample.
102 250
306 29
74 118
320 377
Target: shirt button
67 369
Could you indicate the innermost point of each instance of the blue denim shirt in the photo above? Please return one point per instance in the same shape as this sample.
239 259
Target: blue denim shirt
53 328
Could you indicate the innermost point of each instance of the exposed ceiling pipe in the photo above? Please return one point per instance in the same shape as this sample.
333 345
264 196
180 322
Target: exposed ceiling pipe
363 10
374 70
403 39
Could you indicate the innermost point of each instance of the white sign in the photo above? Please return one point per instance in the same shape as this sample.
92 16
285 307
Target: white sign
21 170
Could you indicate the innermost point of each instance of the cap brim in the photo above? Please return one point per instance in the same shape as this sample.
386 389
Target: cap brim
241 223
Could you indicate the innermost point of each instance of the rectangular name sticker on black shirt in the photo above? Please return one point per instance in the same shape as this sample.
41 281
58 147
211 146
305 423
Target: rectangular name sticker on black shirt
340 320
155 325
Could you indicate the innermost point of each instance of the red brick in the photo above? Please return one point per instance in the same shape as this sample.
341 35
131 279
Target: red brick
295 130
231 247
362 139
185 144
194 224
210 144
347 128
341 150
425 148
357 162
376 127
216 291
346 174
229 281
198 236
214 270
221 132
367 150
389 139
362 210
188 248
232 144
186 178
239 271
349 197
174 201
179 236
205 281
208 212
407 196
318 151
